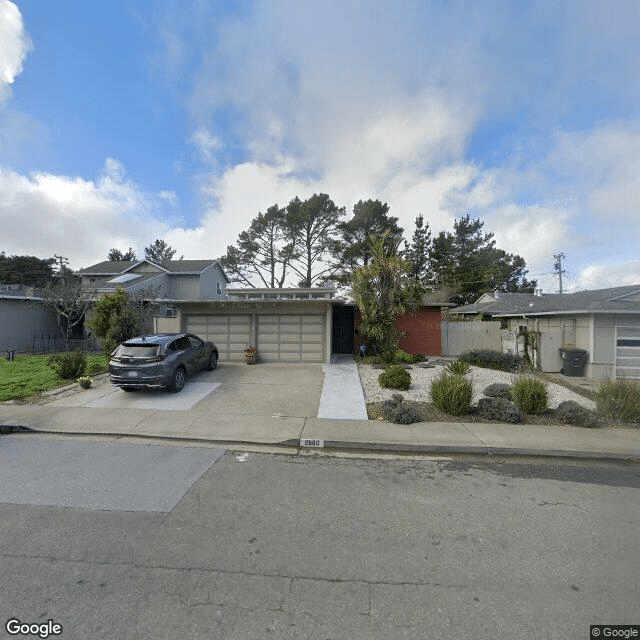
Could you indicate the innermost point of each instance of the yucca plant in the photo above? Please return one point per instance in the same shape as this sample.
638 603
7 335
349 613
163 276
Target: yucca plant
458 368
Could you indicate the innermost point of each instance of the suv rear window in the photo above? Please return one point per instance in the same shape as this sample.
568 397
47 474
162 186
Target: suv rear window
137 350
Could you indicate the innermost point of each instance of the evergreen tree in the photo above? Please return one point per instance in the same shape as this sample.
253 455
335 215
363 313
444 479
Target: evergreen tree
417 253
353 248
159 252
312 225
117 255
468 262
263 252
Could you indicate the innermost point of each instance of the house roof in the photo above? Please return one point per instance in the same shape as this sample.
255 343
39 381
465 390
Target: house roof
614 299
117 267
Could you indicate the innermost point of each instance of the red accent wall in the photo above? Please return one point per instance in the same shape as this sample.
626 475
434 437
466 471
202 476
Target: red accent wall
422 328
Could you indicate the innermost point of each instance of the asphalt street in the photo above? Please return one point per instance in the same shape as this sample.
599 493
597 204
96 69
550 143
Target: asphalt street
256 545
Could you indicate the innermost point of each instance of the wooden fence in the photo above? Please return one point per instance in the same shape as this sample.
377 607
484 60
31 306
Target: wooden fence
458 337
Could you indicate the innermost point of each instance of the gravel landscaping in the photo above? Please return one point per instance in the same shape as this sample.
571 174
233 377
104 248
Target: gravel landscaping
418 395
481 378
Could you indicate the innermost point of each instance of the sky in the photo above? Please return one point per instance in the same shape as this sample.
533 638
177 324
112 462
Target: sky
123 122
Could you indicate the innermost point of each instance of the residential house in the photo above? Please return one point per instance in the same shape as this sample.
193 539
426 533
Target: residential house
603 322
26 325
175 280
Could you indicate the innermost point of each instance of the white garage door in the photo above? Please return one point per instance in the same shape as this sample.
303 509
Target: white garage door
230 333
628 352
290 338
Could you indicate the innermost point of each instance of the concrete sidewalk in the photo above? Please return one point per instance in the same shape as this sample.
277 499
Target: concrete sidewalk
248 406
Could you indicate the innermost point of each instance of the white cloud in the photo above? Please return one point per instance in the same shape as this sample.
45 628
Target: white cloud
14 45
44 214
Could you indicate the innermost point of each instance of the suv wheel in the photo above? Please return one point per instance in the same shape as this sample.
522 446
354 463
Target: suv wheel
213 361
178 380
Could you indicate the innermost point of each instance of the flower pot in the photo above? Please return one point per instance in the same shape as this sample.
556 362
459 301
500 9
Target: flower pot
251 359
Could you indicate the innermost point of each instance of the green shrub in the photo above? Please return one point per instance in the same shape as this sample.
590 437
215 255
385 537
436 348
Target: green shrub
452 394
619 400
458 367
498 390
571 412
416 357
530 395
403 356
489 359
395 377
69 364
499 409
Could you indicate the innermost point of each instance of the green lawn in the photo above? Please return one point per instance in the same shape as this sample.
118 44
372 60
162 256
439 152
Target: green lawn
26 376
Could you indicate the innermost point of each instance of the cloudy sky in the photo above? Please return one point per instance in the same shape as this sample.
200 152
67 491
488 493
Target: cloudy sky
122 122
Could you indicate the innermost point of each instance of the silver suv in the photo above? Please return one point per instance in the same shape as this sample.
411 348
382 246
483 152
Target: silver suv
160 361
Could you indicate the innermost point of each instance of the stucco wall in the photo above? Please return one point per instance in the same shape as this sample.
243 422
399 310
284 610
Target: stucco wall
21 320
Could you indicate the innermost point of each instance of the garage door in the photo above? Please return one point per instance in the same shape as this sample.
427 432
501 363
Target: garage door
628 352
290 338
230 333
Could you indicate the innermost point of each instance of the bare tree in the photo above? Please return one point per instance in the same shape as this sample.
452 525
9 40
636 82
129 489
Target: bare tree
70 301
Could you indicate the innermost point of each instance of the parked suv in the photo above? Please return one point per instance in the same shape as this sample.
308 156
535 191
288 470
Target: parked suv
161 361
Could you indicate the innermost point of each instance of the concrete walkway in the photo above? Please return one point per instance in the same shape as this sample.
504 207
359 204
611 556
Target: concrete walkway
298 405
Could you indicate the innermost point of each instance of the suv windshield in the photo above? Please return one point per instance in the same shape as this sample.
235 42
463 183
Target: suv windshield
137 350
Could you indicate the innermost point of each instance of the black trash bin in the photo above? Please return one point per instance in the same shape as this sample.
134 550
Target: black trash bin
573 362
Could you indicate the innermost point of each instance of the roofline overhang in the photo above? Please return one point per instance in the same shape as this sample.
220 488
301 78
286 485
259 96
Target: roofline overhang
515 314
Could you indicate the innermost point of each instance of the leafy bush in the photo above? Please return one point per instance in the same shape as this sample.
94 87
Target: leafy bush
499 409
571 412
69 364
619 400
403 356
498 390
395 377
416 357
94 368
452 394
458 368
530 395
489 359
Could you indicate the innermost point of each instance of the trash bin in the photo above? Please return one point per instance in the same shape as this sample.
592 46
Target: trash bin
573 361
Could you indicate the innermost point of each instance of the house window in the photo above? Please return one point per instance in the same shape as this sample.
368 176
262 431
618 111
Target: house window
93 279
219 288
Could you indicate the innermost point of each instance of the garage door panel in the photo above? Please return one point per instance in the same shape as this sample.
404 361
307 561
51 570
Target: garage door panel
628 352
230 333
291 338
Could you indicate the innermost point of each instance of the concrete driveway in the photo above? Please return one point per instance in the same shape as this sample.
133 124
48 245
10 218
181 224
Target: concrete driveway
291 390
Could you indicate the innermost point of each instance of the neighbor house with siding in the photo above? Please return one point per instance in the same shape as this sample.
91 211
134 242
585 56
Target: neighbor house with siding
603 322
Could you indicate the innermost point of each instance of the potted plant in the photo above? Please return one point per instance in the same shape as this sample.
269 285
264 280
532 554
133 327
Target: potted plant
250 354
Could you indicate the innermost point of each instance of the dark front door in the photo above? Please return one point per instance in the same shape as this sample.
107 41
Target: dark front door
343 328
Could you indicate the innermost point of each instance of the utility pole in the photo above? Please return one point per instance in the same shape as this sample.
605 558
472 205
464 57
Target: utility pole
558 267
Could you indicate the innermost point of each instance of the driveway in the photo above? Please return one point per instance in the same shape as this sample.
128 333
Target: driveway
291 390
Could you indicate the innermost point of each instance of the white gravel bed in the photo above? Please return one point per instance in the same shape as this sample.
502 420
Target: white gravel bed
481 378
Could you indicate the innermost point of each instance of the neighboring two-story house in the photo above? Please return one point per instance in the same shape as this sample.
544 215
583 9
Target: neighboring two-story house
175 280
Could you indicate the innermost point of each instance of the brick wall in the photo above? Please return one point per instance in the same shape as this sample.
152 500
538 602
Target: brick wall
422 328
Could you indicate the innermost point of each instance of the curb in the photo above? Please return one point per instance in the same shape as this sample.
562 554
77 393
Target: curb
341 445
